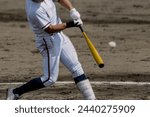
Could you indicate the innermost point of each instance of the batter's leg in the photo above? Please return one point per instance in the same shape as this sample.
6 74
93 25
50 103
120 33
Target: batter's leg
51 60
50 51
70 59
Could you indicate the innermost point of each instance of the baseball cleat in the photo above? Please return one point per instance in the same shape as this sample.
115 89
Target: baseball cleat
11 95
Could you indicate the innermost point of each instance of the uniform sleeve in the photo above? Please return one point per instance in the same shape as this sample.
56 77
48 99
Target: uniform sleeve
43 19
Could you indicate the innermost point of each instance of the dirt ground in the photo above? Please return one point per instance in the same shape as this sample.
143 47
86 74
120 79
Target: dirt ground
127 22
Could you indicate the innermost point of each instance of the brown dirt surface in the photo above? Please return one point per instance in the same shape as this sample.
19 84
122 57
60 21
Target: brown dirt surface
127 22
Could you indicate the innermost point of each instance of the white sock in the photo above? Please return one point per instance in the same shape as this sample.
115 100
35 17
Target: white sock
85 88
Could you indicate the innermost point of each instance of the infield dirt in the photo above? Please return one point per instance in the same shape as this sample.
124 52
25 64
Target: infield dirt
127 22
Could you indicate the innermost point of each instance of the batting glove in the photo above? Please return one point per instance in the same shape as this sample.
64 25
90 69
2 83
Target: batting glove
74 14
74 23
79 22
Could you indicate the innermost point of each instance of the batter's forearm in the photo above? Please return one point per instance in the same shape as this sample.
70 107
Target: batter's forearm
66 3
55 28
59 27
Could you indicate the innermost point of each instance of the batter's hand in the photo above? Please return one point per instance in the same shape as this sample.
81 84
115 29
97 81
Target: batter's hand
78 22
74 23
74 14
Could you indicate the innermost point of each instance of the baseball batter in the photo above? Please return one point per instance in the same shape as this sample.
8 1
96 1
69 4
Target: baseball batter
54 47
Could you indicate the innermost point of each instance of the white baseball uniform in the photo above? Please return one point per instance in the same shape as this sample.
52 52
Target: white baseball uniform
54 47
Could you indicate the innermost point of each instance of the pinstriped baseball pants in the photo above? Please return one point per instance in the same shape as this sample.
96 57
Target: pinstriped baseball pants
56 48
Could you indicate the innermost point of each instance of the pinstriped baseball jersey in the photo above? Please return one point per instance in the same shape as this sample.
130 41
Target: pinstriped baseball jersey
41 15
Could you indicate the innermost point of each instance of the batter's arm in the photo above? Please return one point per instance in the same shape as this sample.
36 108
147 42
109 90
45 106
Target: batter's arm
66 3
55 28
74 14
60 27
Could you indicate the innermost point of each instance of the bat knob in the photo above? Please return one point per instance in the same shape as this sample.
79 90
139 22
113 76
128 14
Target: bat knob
101 65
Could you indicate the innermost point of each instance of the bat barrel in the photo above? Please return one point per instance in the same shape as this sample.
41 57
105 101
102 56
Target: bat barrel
93 50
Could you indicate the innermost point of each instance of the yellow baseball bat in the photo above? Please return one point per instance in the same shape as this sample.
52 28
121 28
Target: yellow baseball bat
93 50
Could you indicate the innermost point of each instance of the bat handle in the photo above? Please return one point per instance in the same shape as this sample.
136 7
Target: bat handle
81 28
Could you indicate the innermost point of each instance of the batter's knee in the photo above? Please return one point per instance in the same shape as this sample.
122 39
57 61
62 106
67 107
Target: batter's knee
77 70
48 81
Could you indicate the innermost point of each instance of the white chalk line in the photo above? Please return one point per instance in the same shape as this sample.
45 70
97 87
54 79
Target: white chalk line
93 83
